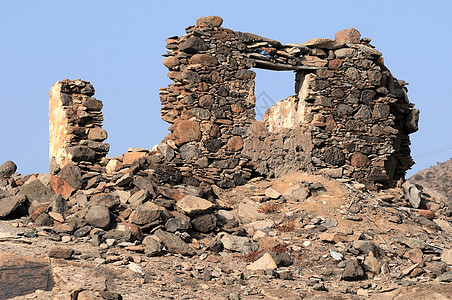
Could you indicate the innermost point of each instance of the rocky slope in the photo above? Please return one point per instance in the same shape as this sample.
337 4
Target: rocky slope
298 236
438 178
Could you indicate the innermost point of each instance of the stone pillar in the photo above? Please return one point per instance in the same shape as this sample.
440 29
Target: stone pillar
75 126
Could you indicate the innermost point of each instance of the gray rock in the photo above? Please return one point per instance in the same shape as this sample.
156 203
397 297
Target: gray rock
98 216
139 197
192 205
364 246
166 151
364 113
72 175
412 243
177 224
445 277
107 200
174 244
412 193
352 271
81 153
36 193
60 252
234 243
204 223
7 169
43 220
9 204
152 246
296 193
189 152
124 180
193 45
145 213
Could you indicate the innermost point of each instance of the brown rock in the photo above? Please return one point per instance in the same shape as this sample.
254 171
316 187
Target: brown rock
324 43
351 35
210 21
7 169
186 131
427 213
416 256
235 143
60 252
72 175
97 134
203 59
314 61
359 160
206 101
59 186
334 64
98 216
171 62
131 157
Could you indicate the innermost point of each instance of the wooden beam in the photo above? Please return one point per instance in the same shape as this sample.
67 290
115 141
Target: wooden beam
267 65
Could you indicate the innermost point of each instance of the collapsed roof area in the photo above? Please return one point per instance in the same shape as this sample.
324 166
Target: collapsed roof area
348 118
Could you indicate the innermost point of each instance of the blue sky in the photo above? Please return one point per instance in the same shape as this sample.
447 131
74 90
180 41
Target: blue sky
117 45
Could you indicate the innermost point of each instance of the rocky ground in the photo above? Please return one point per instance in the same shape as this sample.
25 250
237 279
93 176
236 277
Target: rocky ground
296 237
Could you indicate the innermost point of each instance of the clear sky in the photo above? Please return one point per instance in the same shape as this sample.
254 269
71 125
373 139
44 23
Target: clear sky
117 45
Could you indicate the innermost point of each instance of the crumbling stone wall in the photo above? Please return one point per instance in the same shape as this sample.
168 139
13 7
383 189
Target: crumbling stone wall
75 126
349 116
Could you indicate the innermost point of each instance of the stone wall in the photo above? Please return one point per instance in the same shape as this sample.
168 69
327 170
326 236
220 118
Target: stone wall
349 116
75 126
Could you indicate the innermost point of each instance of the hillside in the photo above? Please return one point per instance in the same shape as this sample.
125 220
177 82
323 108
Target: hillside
436 177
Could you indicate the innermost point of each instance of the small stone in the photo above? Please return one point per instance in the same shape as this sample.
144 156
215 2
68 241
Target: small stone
412 193
204 223
174 244
234 243
60 252
352 271
296 193
66 238
203 59
193 45
364 246
446 256
351 36
59 186
272 194
145 213
266 262
210 21
177 224
97 134
139 197
194 205
235 143
113 165
98 216
186 131
7 169
359 160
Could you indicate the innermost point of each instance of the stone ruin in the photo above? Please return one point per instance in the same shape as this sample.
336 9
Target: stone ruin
349 117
